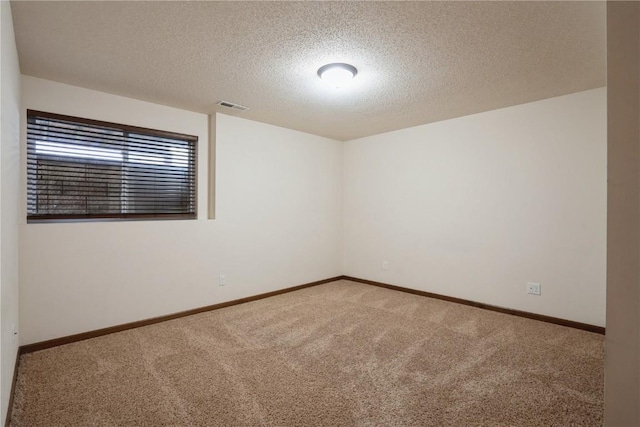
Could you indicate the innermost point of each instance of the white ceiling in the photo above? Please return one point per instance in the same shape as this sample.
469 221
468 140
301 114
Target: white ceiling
418 62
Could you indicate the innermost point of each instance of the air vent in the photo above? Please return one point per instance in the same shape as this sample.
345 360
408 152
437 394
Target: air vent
227 104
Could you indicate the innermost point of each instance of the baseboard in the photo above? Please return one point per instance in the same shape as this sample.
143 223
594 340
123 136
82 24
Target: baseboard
7 421
30 348
528 315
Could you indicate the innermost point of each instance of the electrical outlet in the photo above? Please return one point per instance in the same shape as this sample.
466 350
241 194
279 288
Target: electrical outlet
385 265
533 288
222 280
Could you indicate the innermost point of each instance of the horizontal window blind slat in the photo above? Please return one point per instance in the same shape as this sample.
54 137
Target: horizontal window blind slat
64 197
34 218
128 183
42 137
124 177
108 125
168 173
53 127
135 163
172 150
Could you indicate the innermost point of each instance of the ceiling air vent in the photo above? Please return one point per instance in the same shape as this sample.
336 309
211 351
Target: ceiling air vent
228 104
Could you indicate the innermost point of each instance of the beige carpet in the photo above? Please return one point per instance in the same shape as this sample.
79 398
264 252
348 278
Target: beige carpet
339 354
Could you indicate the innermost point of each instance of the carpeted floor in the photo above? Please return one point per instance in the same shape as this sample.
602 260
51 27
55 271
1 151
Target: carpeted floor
339 354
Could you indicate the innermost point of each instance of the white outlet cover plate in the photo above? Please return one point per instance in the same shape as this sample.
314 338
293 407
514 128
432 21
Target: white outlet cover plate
533 288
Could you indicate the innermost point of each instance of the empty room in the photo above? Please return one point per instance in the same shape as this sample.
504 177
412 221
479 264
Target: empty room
320 213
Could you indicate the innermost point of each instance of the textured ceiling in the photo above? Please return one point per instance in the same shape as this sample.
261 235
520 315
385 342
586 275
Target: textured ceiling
418 62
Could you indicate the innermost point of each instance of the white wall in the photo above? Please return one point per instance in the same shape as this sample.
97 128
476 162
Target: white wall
472 207
9 197
476 207
278 216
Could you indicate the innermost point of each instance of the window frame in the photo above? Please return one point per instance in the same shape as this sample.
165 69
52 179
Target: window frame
125 129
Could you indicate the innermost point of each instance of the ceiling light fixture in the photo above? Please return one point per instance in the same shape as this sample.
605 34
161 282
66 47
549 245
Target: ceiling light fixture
337 74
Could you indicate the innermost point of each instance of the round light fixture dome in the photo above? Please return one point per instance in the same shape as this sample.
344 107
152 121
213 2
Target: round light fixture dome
337 74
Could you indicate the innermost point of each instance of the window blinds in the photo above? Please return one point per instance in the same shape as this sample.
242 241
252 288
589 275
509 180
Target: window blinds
79 168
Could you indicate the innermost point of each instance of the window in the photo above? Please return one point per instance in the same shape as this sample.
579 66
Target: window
85 169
